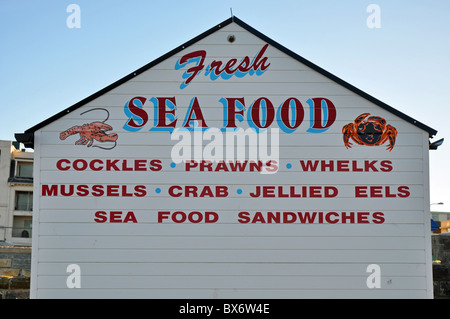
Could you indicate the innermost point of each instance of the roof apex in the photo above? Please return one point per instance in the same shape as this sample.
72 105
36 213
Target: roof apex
28 136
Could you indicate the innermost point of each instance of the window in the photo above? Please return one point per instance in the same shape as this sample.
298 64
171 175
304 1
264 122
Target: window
25 169
22 226
24 201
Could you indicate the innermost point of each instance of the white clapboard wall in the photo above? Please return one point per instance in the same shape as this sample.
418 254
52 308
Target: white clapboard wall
150 257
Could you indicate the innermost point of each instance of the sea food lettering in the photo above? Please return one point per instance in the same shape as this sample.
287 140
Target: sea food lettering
220 69
260 114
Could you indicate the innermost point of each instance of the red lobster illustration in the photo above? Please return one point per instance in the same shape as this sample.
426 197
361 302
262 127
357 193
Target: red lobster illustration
370 132
90 132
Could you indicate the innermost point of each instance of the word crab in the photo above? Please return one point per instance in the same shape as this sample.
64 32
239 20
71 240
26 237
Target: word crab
372 131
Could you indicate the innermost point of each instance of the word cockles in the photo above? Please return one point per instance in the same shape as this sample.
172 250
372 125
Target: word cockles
220 69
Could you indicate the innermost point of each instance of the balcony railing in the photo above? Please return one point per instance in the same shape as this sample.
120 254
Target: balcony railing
21 232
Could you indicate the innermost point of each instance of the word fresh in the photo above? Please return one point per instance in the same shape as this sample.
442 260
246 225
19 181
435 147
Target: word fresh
225 70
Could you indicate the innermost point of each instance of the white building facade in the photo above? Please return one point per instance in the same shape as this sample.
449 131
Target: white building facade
16 194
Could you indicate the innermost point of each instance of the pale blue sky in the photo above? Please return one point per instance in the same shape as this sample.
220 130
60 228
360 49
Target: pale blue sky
46 67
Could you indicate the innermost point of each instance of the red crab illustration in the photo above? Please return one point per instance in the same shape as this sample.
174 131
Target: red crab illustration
90 132
372 131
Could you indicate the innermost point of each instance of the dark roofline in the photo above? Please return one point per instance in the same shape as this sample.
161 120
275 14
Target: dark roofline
28 136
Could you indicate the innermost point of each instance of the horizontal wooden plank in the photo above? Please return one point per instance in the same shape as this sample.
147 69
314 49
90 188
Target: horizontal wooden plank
212 100
227 88
230 255
226 243
248 177
237 178
243 204
162 293
336 152
230 282
231 269
221 230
